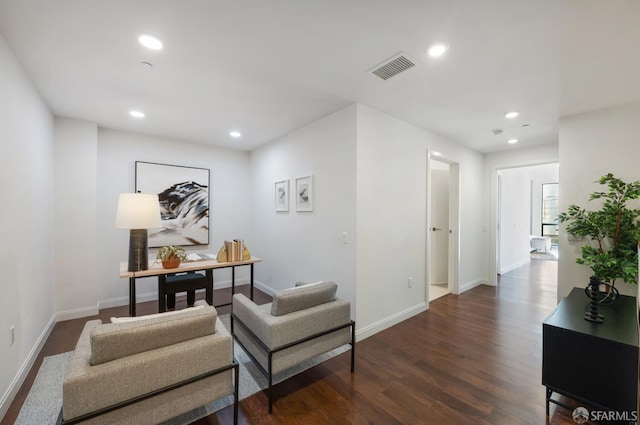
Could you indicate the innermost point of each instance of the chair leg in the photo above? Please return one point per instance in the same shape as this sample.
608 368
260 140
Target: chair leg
270 390
236 373
171 301
191 298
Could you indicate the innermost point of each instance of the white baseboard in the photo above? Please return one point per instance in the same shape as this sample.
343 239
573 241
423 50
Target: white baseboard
76 314
514 266
470 285
18 380
383 324
120 301
264 288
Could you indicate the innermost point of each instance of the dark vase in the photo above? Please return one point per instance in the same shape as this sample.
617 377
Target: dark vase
593 292
607 294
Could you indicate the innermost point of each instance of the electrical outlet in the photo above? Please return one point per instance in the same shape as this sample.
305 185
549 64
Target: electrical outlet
410 282
12 332
345 238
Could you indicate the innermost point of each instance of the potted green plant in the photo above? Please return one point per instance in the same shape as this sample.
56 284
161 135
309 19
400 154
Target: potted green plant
171 256
612 232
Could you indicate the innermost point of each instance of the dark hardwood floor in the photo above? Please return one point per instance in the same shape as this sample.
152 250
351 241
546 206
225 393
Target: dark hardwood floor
470 359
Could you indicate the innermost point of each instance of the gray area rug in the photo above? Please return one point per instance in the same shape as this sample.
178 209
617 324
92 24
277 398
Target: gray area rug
44 401
541 255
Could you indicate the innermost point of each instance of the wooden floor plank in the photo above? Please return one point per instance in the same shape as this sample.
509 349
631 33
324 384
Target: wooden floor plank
470 359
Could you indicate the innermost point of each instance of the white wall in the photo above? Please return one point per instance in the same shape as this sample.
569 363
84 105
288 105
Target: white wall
307 246
229 207
76 160
543 154
26 251
515 218
592 145
392 217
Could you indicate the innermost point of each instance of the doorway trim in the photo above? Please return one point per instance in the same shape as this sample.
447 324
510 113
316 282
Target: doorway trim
454 224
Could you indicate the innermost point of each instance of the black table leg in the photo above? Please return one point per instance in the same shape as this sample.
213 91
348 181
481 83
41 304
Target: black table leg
162 293
209 290
549 393
251 281
132 296
233 281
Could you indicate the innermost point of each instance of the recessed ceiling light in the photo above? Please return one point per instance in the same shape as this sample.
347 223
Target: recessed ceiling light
511 114
235 134
437 50
136 114
437 154
512 141
150 42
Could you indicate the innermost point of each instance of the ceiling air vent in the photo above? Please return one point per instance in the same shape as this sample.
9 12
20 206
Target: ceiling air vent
393 66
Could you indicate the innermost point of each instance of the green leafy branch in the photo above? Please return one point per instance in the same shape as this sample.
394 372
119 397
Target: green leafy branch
613 230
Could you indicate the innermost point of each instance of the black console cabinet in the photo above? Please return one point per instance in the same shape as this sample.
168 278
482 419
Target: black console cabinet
595 364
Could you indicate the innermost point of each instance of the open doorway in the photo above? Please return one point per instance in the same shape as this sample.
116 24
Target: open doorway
527 219
443 222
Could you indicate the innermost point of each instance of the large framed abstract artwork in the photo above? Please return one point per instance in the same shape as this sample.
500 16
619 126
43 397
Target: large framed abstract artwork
183 193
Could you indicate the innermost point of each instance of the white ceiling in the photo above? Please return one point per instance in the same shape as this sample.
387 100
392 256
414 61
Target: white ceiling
266 67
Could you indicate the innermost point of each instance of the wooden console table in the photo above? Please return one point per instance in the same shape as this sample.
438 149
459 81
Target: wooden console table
592 363
156 270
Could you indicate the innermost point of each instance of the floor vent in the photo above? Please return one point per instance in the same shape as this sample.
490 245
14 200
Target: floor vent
393 66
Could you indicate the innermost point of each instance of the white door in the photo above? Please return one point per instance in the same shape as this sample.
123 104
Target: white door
439 257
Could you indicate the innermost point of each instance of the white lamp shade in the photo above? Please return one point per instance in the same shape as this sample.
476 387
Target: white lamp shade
138 211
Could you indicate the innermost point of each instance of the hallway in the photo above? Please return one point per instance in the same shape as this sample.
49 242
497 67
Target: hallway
535 282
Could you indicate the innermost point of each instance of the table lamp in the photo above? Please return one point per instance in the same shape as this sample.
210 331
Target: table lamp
138 212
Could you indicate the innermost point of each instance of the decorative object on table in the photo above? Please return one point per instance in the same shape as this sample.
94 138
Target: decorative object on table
171 256
183 196
282 195
233 250
138 212
304 193
612 233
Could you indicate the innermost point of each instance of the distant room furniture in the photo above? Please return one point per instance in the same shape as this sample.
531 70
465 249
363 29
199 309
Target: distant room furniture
592 363
149 369
156 270
540 243
300 324
171 284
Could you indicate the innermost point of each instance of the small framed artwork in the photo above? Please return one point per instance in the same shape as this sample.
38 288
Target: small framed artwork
304 193
282 195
